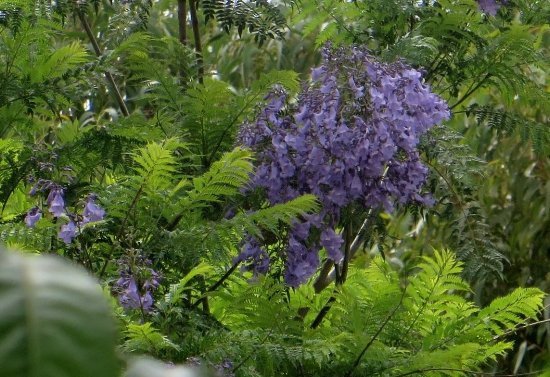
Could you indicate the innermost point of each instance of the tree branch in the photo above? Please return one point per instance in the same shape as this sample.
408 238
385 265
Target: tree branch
327 275
110 79
323 312
197 38
182 21
215 286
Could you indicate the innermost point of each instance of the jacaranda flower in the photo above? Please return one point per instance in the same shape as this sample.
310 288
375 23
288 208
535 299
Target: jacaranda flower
490 7
136 284
350 139
68 232
92 212
56 202
33 216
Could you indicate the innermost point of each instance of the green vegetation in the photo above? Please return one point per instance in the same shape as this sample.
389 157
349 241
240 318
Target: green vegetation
312 188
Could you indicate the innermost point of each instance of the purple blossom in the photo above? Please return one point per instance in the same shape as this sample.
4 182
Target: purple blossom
302 262
490 7
56 202
41 185
332 242
33 216
68 232
350 139
254 257
130 297
92 212
225 369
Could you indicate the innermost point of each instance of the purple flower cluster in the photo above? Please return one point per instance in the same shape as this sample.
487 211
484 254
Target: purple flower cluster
351 138
490 7
56 206
136 284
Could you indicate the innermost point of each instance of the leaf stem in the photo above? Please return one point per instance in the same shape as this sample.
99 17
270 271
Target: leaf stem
371 341
470 91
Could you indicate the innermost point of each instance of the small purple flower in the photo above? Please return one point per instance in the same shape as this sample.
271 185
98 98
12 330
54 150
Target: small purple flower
332 242
490 7
225 369
92 212
32 217
136 285
316 73
130 298
254 258
56 202
68 232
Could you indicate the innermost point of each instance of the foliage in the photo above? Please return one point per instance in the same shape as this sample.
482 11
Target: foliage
120 150
427 325
263 19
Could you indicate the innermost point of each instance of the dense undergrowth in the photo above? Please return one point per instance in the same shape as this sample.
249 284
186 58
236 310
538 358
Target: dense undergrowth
310 188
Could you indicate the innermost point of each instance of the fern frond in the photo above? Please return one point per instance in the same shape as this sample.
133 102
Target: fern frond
59 62
155 164
429 301
145 338
263 19
287 79
271 218
505 313
456 173
224 179
508 123
38 239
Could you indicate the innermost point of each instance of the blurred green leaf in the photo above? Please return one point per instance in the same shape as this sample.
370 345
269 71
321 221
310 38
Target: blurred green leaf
55 320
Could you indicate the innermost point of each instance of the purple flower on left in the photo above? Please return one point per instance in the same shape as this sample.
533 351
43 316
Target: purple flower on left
33 216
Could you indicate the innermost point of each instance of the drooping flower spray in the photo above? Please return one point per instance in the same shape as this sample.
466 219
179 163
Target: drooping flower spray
351 139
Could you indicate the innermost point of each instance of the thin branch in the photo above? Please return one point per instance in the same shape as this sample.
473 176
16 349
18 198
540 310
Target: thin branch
121 229
204 298
326 275
322 280
323 312
523 327
95 45
471 91
347 252
182 32
340 275
216 285
182 21
371 341
197 38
